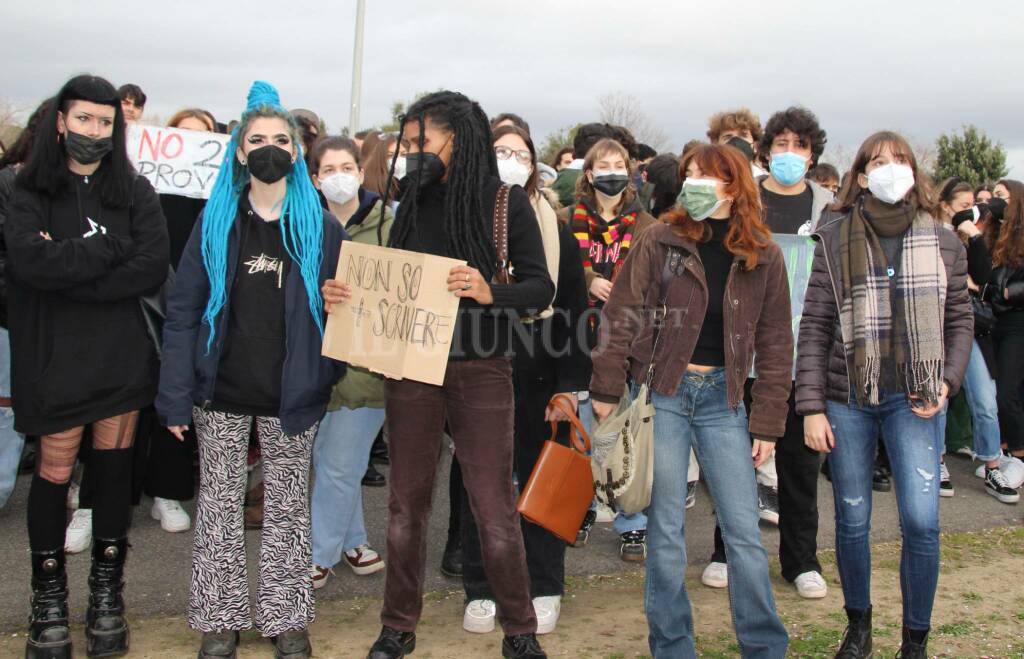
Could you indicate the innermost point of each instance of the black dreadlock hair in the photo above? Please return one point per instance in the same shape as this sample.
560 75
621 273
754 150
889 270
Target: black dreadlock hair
472 163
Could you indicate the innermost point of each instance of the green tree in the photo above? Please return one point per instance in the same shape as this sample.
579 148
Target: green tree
555 141
972 156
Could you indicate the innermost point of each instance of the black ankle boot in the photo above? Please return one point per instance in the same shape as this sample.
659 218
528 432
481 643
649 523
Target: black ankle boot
48 633
857 641
451 560
106 630
915 644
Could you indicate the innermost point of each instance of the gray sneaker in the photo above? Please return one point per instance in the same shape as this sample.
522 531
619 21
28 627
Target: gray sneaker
691 494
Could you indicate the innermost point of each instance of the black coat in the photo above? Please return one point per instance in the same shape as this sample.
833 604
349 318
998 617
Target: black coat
188 374
80 351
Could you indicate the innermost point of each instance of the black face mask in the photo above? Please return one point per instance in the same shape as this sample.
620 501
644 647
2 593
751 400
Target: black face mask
426 166
966 215
743 145
269 163
997 206
87 150
610 185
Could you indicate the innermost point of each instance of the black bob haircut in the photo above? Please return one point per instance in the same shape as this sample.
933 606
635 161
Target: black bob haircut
47 172
799 120
133 92
472 164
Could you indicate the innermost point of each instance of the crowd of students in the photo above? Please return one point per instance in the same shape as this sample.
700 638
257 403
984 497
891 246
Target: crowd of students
916 291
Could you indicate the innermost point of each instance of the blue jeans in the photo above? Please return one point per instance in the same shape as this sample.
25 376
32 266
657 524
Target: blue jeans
11 442
340 456
980 389
913 445
699 416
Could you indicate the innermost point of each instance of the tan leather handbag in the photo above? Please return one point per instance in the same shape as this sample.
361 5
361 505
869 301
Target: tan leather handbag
561 487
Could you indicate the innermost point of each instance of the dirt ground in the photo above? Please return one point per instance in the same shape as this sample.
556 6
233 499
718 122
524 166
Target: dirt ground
979 612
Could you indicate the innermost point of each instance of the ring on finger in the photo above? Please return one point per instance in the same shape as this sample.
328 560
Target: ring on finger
466 287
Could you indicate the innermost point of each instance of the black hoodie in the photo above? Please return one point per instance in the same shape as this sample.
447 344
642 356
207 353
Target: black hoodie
79 347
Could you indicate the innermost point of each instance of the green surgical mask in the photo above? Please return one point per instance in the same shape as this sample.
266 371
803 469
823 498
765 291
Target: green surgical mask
699 199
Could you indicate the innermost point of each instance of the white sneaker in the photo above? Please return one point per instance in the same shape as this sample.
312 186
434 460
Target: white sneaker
170 514
811 585
364 560
78 537
73 495
479 617
716 575
319 575
605 515
547 609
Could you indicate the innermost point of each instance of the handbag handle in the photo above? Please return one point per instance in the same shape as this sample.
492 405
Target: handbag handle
578 435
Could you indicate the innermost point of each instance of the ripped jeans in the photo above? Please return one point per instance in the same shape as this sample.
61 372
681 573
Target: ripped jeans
914 445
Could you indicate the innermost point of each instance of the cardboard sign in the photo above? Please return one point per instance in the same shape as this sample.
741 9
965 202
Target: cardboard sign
176 161
400 318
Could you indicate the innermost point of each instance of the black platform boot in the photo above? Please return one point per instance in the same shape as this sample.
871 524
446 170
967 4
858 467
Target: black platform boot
857 640
106 630
48 633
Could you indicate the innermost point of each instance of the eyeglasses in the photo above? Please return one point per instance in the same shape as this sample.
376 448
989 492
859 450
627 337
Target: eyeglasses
504 153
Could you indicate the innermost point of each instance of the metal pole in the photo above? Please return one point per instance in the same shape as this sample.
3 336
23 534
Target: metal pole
357 69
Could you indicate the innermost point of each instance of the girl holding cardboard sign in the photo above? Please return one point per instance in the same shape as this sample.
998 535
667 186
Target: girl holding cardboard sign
447 208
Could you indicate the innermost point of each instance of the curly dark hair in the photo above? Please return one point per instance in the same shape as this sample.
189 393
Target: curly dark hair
799 120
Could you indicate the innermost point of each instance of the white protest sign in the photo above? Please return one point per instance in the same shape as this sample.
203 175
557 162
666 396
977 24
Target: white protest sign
401 316
176 161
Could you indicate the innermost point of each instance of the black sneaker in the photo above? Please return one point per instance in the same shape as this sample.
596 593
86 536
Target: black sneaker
293 645
768 504
881 480
997 485
219 645
634 546
524 646
691 494
373 478
945 485
392 644
583 535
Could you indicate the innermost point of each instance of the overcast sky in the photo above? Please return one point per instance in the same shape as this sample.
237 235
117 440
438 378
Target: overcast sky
921 67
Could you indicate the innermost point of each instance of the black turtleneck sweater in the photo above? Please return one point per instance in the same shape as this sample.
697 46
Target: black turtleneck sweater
717 260
483 332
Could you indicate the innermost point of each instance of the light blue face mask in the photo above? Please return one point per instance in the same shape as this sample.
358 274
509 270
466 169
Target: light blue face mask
788 168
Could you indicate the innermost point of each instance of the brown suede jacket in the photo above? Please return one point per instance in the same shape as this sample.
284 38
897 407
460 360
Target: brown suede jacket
757 322
822 365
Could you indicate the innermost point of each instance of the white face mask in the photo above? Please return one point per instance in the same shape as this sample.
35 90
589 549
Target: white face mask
400 167
891 183
340 188
514 172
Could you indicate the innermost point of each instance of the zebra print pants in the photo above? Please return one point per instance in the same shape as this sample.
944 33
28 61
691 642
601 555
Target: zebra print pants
219 590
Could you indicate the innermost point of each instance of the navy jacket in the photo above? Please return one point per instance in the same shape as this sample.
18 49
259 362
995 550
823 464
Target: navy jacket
188 373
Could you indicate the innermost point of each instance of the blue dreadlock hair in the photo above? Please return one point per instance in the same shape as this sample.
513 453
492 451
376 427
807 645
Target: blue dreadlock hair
301 214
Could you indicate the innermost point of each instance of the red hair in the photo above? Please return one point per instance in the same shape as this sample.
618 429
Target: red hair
748 234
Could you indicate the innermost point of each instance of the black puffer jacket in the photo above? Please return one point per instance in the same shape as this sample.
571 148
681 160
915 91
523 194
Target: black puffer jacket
822 362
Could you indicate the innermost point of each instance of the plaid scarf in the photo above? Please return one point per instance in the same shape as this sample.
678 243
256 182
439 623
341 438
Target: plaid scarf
892 321
602 243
